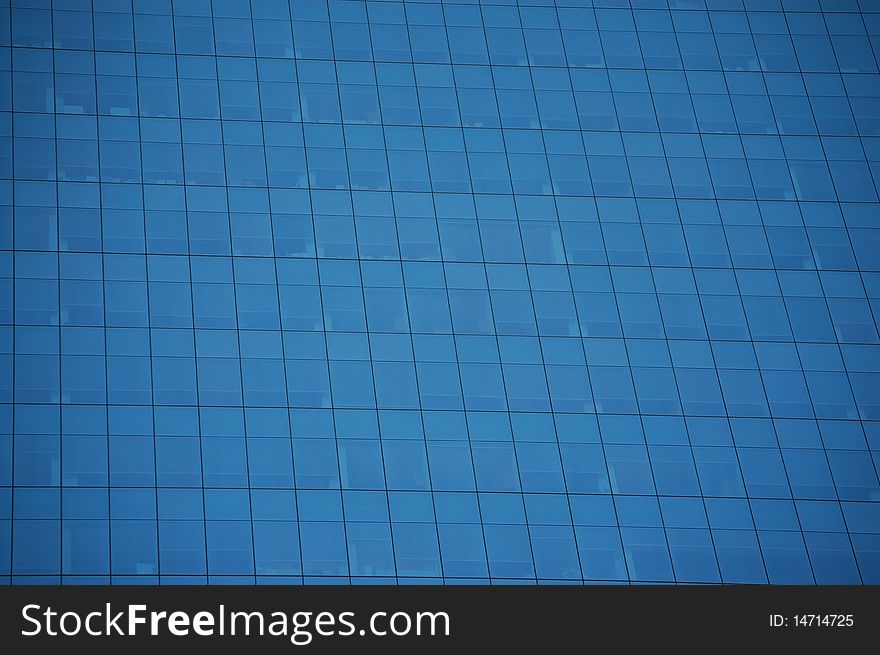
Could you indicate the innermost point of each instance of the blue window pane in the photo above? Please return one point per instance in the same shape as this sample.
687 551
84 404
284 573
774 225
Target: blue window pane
542 294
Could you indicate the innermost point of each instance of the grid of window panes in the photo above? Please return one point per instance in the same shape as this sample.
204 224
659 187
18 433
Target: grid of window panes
472 291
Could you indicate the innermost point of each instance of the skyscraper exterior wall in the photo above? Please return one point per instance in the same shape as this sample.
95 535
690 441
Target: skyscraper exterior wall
471 291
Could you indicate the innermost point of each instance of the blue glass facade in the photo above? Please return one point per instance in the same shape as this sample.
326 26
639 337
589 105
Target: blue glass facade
462 292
